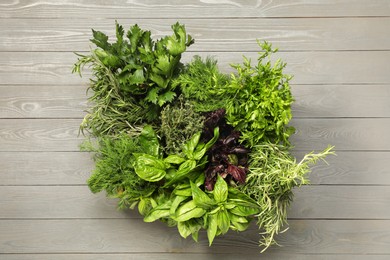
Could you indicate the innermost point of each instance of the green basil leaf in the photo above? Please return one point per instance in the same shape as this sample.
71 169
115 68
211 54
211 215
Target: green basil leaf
182 172
239 198
244 211
239 226
188 211
176 202
214 139
190 145
144 206
188 227
201 199
161 211
220 191
184 230
238 219
174 159
212 227
149 168
223 221
149 141
200 180
198 154
183 189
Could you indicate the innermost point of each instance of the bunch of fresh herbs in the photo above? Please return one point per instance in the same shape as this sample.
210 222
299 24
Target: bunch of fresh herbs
186 143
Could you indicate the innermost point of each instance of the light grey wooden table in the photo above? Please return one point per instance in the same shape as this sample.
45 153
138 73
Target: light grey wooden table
339 54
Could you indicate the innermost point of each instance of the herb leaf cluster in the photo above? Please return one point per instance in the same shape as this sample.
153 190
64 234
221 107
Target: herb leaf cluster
188 144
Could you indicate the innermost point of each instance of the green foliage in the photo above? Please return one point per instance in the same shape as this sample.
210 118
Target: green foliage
273 173
190 145
179 122
132 77
260 101
201 83
114 172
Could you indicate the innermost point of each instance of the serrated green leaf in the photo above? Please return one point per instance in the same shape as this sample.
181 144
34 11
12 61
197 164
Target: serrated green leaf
220 191
166 97
152 95
161 81
119 33
100 40
134 35
163 65
177 43
137 77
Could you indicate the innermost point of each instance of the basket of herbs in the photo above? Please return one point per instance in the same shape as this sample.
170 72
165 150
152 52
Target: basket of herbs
188 144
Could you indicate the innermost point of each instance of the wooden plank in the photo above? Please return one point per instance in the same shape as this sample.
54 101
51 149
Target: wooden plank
352 168
125 236
341 202
45 168
73 168
237 35
369 134
192 8
310 202
27 202
341 100
191 256
345 134
70 101
21 101
40 134
346 67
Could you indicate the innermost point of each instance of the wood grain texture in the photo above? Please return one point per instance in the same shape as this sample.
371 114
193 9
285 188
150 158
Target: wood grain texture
45 168
341 101
311 202
238 35
346 67
369 134
344 134
50 202
352 168
23 101
338 52
190 256
192 8
40 135
125 236
341 202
